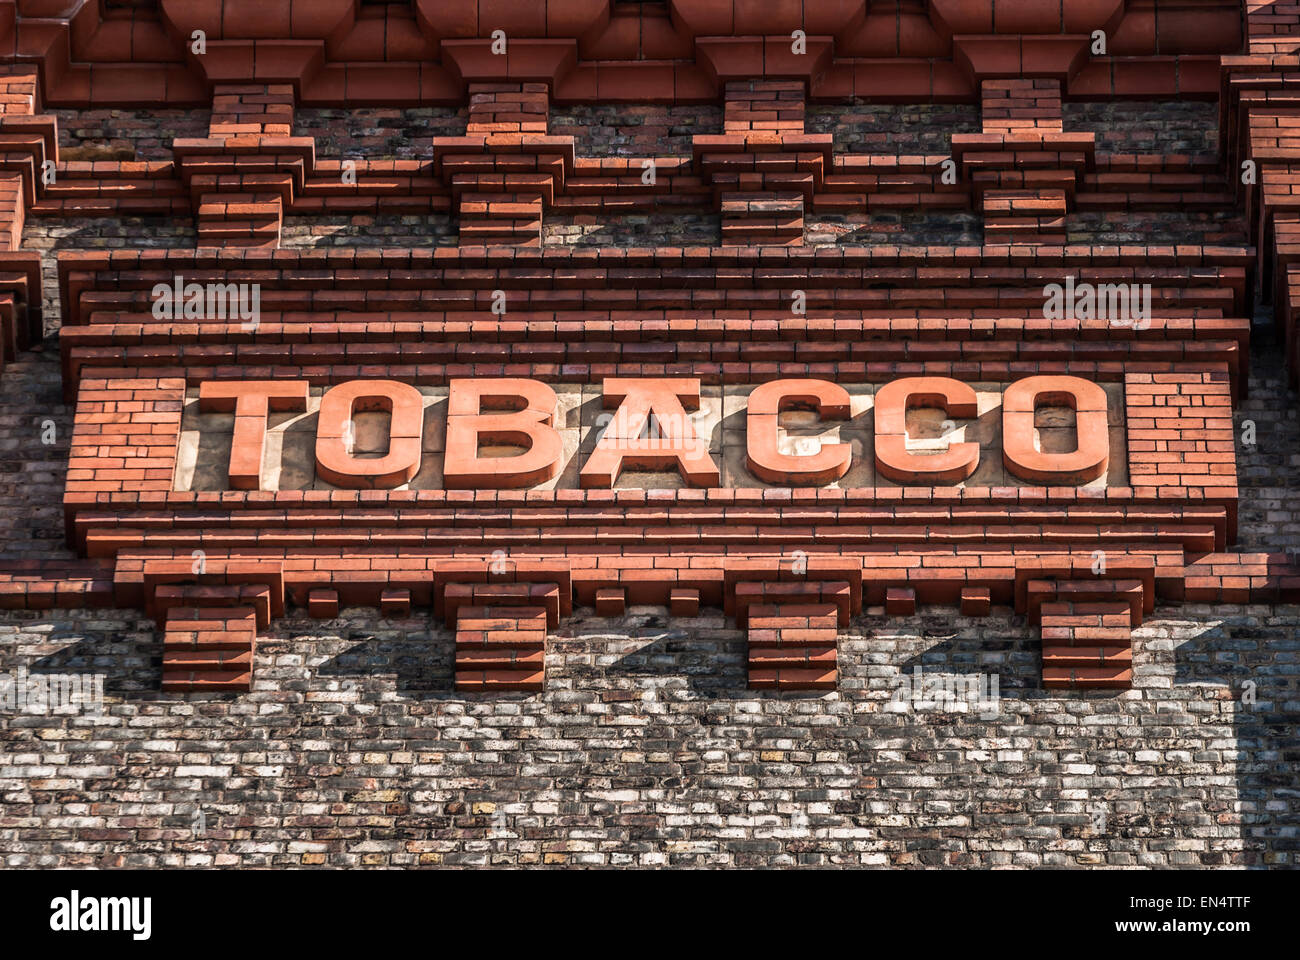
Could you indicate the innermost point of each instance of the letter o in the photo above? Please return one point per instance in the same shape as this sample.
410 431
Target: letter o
1086 462
405 406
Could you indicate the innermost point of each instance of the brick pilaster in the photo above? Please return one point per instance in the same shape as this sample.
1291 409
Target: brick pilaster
764 168
1023 167
245 173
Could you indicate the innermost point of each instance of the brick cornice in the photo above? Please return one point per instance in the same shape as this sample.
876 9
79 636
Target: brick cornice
586 50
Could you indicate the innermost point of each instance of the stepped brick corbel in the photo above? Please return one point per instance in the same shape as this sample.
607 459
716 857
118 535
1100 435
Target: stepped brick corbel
501 633
1023 168
1087 634
210 612
1087 617
247 171
506 169
208 645
764 168
793 646
501 613
792 613
28 140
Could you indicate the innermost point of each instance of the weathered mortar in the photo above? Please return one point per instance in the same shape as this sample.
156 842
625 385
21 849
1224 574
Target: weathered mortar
647 748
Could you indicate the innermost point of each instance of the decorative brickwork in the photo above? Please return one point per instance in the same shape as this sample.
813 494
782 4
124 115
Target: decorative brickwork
1024 168
763 168
244 174
505 169
771 317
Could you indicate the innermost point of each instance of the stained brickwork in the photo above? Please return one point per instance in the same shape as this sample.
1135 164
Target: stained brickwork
698 442
648 748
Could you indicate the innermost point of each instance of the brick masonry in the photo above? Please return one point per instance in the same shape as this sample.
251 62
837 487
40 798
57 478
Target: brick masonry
647 746
644 681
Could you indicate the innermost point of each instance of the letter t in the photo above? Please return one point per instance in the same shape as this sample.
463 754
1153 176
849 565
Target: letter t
252 401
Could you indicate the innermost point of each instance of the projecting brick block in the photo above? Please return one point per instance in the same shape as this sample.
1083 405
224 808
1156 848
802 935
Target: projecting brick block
611 602
976 602
395 603
1087 636
684 602
323 604
900 601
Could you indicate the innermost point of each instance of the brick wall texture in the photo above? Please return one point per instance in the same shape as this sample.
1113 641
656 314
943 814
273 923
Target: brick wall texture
562 584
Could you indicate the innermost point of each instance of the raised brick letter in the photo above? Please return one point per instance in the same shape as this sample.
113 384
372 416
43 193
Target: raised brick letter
676 445
1091 455
894 460
529 422
405 407
831 402
252 401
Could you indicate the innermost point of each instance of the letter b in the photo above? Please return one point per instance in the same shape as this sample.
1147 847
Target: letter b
524 415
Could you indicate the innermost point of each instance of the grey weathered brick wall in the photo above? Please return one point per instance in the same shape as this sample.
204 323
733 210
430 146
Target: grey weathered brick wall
369 230
1186 127
114 133
647 748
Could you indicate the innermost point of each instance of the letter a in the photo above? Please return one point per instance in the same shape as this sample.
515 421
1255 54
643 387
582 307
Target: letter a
624 443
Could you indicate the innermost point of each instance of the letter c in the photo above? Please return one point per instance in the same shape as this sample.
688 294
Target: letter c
894 460
766 402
